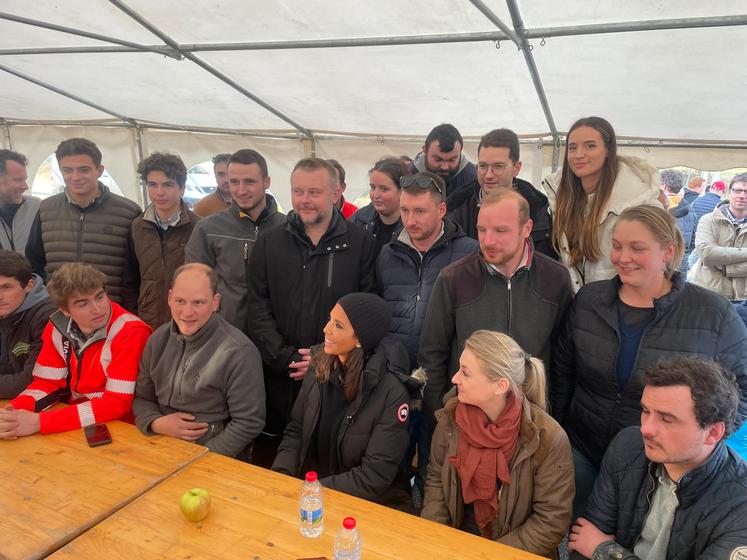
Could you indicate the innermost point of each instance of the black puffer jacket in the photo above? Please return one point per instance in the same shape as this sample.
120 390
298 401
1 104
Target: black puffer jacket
710 522
373 436
586 400
464 205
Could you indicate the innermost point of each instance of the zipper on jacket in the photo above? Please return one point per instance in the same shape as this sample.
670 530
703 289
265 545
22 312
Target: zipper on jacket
173 377
329 270
80 236
246 251
648 509
510 303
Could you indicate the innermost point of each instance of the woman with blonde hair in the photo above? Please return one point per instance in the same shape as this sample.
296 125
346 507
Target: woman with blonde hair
500 466
618 328
594 186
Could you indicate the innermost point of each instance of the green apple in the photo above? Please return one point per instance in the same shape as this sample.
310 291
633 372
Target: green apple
195 504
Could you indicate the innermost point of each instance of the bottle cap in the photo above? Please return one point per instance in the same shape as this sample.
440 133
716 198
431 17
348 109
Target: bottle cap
349 523
311 476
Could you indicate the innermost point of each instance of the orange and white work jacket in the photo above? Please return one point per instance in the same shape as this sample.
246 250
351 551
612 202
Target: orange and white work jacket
102 372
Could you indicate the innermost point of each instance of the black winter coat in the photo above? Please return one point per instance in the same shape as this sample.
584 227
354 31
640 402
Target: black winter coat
406 280
373 436
293 287
689 321
464 205
710 522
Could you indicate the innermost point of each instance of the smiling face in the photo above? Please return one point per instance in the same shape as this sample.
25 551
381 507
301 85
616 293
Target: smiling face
13 183
637 255
586 153
89 311
81 176
339 336
313 195
191 301
248 187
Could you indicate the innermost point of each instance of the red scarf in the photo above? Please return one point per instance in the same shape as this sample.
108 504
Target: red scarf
483 454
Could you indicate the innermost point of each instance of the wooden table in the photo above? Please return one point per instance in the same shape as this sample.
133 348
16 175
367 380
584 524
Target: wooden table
54 487
254 515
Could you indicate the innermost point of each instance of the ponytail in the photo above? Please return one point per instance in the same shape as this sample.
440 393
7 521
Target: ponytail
535 382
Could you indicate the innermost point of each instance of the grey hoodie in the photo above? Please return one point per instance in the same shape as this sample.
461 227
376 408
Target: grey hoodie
215 375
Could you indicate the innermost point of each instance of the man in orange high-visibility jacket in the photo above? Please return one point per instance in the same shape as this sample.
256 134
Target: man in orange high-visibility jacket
89 359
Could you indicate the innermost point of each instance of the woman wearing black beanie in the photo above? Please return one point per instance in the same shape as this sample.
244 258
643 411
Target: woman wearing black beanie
349 422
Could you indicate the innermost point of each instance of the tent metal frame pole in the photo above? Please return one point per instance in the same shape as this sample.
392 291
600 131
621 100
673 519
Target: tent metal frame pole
495 20
534 33
140 157
6 132
64 93
61 28
211 69
526 50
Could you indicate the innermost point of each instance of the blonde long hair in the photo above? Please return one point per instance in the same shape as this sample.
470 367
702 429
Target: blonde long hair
503 358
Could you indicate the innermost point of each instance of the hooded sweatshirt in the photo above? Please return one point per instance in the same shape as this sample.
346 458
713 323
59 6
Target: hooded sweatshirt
20 339
466 173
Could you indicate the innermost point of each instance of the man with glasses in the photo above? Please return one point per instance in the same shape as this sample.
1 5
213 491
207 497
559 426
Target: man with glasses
408 266
721 242
498 165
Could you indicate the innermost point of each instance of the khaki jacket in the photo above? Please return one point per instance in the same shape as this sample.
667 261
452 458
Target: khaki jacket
722 255
637 182
534 509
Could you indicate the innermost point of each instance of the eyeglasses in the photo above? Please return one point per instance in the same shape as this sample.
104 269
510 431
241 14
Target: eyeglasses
739 192
421 181
497 168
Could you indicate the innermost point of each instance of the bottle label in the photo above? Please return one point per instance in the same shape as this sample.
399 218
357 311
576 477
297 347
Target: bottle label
312 517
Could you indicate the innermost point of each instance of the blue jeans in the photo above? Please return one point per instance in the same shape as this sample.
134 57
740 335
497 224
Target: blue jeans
586 473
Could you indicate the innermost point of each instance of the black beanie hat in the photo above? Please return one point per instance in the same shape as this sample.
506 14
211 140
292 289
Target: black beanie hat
370 317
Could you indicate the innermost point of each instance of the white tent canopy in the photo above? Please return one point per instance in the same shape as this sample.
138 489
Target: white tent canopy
358 80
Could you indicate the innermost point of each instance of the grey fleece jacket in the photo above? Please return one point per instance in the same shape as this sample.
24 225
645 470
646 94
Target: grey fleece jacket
215 375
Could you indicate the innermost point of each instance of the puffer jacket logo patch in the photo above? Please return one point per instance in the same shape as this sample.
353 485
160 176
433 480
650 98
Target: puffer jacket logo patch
21 348
404 411
739 553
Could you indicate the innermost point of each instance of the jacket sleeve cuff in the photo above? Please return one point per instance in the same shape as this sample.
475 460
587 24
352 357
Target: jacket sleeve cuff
610 550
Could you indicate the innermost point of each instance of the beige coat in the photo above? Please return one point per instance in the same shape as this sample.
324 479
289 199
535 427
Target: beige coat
722 255
637 182
534 509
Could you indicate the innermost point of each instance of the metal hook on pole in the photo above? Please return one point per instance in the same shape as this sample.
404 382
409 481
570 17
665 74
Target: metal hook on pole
498 45
543 42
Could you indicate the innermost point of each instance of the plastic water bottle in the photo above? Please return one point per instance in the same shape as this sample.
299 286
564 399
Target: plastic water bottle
348 541
311 522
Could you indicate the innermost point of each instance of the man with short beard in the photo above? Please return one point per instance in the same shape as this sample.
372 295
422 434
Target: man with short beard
299 271
442 155
221 198
506 287
17 210
225 240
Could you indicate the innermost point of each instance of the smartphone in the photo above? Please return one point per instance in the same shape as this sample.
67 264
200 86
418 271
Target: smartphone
98 434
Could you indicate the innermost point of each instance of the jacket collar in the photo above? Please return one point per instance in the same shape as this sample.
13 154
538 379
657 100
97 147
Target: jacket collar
526 260
103 195
337 228
70 331
200 337
271 207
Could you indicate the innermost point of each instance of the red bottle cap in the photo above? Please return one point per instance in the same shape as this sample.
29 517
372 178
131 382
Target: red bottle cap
311 476
349 523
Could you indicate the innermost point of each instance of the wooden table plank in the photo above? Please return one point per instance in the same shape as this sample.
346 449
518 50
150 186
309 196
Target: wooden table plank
55 486
254 516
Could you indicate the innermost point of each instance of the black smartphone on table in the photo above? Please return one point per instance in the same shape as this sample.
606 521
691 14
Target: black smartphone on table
98 434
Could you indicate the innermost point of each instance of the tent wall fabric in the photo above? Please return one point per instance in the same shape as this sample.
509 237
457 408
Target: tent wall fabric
356 80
